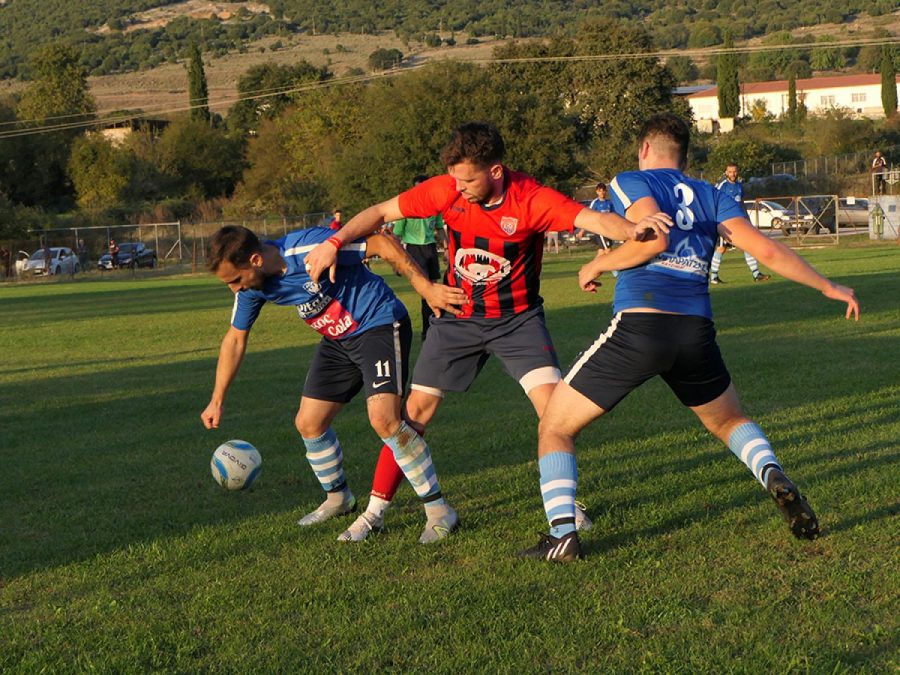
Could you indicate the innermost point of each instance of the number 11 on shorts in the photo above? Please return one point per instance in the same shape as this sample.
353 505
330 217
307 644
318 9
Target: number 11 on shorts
383 368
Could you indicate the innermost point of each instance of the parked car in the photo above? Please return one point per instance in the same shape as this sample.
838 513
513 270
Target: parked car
768 214
131 254
62 261
853 211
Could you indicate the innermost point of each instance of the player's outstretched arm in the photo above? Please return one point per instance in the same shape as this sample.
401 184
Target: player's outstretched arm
614 226
324 256
628 255
231 353
438 296
779 258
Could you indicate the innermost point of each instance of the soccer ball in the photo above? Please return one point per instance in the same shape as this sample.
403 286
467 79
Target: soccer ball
235 465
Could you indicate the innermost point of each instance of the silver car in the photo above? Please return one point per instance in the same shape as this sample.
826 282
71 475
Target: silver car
62 260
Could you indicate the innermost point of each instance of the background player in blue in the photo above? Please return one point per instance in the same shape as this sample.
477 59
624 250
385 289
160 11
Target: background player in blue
663 326
366 335
731 186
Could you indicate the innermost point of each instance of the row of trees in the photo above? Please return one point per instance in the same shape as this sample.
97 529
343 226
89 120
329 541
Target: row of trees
687 23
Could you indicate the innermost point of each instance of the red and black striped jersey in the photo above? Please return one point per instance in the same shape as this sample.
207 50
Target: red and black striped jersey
495 251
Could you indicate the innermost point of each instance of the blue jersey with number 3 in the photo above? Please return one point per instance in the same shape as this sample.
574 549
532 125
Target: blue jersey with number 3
677 279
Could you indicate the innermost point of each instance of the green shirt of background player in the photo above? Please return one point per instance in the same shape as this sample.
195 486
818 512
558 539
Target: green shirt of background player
419 237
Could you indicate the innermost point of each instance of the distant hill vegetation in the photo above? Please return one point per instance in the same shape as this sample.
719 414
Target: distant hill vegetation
104 30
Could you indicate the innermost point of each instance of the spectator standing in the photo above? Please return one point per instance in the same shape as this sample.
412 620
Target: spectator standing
82 255
878 169
336 222
419 237
5 262
114 253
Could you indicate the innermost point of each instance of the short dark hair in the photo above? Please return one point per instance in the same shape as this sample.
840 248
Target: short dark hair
600 186
233 243
667 129
421 178
476 142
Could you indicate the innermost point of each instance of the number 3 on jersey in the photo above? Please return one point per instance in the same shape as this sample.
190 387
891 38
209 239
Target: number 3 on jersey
684 219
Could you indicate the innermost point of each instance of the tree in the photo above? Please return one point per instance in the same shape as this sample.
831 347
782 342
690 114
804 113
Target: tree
792 98
202 161
198 91
385 59
888 84
99 172
729 88
58 88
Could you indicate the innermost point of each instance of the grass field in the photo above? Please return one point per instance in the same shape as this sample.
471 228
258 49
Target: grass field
119 553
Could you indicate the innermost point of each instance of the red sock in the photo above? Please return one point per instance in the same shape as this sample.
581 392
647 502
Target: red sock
388 475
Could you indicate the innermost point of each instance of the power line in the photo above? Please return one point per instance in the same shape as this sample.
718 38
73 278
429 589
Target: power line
267 93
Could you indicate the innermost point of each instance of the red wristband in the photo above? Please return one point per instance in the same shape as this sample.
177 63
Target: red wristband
335 241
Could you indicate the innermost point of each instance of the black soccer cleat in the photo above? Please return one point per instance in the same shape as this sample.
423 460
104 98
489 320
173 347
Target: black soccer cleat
762 277
555 549
716 280
793 505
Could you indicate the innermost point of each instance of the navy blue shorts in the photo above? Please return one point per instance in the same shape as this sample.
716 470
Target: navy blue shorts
376 359
679 348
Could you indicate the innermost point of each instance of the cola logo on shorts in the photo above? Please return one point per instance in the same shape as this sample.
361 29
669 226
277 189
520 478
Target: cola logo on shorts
480 267
312 287
509 224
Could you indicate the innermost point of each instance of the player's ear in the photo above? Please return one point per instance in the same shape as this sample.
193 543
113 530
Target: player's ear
256 260
497 171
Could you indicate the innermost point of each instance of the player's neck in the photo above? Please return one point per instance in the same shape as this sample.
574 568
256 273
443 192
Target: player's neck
273 263
498 192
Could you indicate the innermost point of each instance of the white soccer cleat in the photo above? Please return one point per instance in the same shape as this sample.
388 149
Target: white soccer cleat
582 522
439 528
327 511
362 527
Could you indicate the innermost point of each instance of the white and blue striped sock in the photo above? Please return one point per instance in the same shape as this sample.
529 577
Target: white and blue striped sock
559 477
750 445
752 264
327 461
715 264
414 458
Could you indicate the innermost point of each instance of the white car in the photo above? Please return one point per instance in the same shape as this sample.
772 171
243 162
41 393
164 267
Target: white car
62 261
853 211
766 214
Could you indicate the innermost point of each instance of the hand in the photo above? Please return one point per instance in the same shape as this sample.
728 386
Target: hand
322 257
844 294
212 415
587 277
440 297
649 227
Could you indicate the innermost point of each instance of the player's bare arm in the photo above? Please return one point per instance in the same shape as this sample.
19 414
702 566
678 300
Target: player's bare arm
438 296
629 254
778 257
324 256
231 353
614 226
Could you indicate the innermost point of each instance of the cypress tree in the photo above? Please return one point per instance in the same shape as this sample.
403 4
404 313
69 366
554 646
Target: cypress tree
792 98
729 88
197 88
888 84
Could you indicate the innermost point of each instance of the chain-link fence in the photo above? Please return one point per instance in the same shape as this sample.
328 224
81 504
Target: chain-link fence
849 164
127 249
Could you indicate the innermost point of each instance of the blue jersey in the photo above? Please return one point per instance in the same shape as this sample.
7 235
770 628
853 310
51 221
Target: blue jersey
601 205
357 301
676 279
734 190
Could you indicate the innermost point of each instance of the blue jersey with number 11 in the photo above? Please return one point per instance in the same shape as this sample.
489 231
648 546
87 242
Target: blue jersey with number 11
676 280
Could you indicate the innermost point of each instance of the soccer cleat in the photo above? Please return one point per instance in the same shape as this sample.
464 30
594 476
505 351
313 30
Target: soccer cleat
362 527
582 522
327 511
555 549
762 277
793 505
439 528
715 280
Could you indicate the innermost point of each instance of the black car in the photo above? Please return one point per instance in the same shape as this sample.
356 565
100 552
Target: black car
133 254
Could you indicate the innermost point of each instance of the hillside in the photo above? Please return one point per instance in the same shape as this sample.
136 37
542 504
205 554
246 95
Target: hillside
126 35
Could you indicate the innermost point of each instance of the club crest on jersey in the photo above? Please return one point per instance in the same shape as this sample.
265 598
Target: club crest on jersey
480 267
509 224
312 287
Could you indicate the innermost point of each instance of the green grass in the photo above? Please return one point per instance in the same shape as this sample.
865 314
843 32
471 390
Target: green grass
118 552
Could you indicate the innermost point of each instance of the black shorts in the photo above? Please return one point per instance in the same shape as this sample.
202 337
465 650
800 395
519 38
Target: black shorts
377 359
426 256
457 349
638 345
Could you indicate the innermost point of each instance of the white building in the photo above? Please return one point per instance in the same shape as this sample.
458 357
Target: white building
860 94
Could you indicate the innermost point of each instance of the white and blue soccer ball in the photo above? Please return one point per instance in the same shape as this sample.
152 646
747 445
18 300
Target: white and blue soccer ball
235 465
